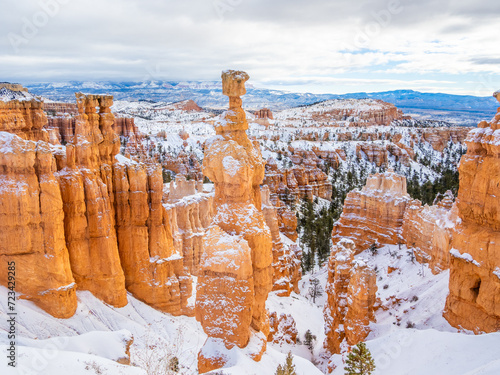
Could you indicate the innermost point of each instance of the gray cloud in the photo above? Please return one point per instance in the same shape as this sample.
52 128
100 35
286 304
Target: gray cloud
274 40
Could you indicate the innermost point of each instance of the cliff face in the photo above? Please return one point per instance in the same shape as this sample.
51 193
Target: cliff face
474 299
298 182
236 267
427 231
32 226
193 210
351 290
375 213
25 119
286 263
81 217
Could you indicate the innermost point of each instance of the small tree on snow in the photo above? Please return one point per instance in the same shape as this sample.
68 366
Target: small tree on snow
359 361
315 289
288 368
308 339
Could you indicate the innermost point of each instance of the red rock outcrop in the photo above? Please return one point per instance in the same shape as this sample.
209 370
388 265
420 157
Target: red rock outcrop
375 213
63 128
427 231
287 269
474 299
13 86
296 183
87 215
282 329
25 119
86 184
193 210
355 112
32 226
264 113
153 269
125 127
380 152
236 266
58 108
351 290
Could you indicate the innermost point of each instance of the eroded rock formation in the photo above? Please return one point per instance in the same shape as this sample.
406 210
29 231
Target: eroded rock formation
25 119
236 266
427 231
283 329
375 213
82 216
299 182
286 264
474 299
351 290
264 113
193 211
32 226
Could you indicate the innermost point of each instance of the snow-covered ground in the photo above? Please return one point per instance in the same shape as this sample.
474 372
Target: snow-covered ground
409 337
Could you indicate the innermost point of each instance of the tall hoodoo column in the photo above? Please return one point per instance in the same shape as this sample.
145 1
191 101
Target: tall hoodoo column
236 265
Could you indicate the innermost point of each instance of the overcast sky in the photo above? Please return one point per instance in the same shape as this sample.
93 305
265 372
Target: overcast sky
320 46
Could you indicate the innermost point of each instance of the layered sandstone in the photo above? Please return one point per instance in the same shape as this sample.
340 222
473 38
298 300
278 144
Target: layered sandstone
374 214
193 211
264 113
474 299
427 231
24 118
236 266
32 226
299 182
351 292
59 108
286 264
83 216
86 187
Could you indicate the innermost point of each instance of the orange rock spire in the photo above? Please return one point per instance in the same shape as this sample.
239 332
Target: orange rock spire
236 271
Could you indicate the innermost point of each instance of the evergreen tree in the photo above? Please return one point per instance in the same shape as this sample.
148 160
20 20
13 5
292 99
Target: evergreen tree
308 339
288 368
359 361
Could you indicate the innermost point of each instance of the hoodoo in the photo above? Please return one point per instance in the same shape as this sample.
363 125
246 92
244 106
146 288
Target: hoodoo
236 271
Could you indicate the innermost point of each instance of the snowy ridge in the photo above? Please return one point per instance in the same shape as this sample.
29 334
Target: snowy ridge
7 95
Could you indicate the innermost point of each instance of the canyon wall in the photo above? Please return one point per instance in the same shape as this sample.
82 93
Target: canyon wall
286 262
32 226
474 299
83 217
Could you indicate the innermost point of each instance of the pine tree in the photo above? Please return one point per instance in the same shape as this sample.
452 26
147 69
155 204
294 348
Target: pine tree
308 339
288 368
359 361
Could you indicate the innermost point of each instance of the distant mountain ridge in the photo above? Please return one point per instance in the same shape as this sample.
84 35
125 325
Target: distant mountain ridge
459 109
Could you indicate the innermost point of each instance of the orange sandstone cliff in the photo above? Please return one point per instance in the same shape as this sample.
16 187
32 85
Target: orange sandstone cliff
84 217
375 213
474 299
